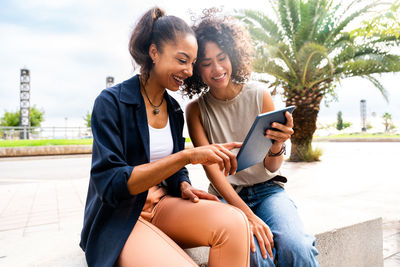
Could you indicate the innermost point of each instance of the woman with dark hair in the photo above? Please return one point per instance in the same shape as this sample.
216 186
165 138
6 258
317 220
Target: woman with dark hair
225 112
137 209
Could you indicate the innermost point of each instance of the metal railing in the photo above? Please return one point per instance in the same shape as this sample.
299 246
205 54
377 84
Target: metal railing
52 132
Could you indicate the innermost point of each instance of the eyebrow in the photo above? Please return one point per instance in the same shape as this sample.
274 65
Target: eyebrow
183 53
220 54
187 56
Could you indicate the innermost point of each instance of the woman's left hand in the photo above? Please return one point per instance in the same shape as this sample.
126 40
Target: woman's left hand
189 192
284 133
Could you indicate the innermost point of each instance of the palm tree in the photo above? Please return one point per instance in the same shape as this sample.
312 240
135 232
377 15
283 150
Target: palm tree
387 122
309 47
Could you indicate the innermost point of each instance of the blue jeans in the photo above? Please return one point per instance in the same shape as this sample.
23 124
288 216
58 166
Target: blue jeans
293 247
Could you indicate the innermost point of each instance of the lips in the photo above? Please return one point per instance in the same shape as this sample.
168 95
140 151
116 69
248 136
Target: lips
178 80
219 78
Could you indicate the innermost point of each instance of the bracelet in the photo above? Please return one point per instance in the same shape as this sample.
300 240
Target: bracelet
282 151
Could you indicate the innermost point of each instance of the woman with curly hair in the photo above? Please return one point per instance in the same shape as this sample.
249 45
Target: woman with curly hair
224 113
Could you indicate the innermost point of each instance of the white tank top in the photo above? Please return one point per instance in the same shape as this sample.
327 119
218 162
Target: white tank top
161 142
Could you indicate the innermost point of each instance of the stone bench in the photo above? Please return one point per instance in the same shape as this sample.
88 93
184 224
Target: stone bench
359 244
355 245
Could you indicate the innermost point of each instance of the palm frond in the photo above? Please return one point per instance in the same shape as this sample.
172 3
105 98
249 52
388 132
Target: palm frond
270 67
368 65
309 57
347 20
378 85
293 8
283 14
258 19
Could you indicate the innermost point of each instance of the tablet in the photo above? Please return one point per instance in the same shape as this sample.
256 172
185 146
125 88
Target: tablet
256 145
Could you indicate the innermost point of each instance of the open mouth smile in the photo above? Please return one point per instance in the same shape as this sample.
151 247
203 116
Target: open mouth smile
219 77
178 79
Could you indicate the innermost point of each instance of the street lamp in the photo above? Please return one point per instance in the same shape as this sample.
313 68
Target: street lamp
25 88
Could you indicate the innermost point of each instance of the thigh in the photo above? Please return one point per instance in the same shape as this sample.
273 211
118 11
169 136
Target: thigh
147 246
194 224
280 213
294 247
217 225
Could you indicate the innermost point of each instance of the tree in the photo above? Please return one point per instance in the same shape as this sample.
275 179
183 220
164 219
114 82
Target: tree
387 122
36 117
310 46
88 118
339 124
10 119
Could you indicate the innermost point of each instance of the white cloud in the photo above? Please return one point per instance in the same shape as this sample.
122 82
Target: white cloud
70 46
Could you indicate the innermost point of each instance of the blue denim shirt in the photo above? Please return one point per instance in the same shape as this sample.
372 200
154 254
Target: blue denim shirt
121 142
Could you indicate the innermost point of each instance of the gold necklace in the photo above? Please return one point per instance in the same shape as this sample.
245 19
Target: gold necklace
156 109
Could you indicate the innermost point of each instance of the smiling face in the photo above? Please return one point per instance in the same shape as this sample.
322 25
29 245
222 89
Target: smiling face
215 68
173 63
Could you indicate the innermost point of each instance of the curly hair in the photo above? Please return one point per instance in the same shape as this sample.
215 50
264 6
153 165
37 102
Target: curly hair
232 38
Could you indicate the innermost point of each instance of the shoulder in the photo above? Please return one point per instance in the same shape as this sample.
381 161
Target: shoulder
110 93
253 85
261 92
192 109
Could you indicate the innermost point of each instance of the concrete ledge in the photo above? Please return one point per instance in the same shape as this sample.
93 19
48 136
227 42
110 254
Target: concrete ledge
45 150
51 150
355 245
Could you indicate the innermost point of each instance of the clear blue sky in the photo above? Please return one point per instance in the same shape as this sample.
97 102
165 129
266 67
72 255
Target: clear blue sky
70 46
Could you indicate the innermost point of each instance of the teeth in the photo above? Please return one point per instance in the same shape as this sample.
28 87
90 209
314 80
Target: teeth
176 78
219 77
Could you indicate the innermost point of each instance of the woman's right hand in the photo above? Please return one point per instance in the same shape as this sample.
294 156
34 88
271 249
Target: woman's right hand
263 234
217 153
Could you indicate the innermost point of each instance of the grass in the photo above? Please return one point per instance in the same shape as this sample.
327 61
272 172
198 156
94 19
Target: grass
45 142
360 135
61 142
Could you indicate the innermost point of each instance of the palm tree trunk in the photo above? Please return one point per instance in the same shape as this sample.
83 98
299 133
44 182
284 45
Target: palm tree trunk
305 123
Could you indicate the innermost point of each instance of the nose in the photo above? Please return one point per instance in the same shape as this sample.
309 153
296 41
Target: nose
189 70
217 67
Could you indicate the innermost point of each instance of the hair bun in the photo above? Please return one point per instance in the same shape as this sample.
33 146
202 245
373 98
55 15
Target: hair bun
157 13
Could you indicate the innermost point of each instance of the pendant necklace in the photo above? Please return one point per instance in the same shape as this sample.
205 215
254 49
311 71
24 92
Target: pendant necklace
156 109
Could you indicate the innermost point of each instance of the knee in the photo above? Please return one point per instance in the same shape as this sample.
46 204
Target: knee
236 221
232 226
298 251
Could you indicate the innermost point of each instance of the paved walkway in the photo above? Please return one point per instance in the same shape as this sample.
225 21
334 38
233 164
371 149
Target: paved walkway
42 198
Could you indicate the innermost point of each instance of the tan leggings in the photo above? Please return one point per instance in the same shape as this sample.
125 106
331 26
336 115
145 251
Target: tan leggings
207 223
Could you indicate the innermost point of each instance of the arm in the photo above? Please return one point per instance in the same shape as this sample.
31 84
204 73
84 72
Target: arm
274 163
115 180
222 185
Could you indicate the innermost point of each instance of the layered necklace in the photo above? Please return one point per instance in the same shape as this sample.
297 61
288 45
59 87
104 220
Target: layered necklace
156 109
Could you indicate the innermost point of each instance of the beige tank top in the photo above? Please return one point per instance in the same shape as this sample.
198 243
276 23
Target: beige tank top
229 121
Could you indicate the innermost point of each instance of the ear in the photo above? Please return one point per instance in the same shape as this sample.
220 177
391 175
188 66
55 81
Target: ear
153 53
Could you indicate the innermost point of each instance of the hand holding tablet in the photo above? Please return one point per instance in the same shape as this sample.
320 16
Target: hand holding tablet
256 145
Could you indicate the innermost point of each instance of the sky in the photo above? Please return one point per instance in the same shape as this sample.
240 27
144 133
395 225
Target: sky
71 46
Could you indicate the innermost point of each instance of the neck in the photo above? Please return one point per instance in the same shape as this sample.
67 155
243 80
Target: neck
154 91
228 93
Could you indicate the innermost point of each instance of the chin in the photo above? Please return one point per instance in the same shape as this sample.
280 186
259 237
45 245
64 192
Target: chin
172 88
